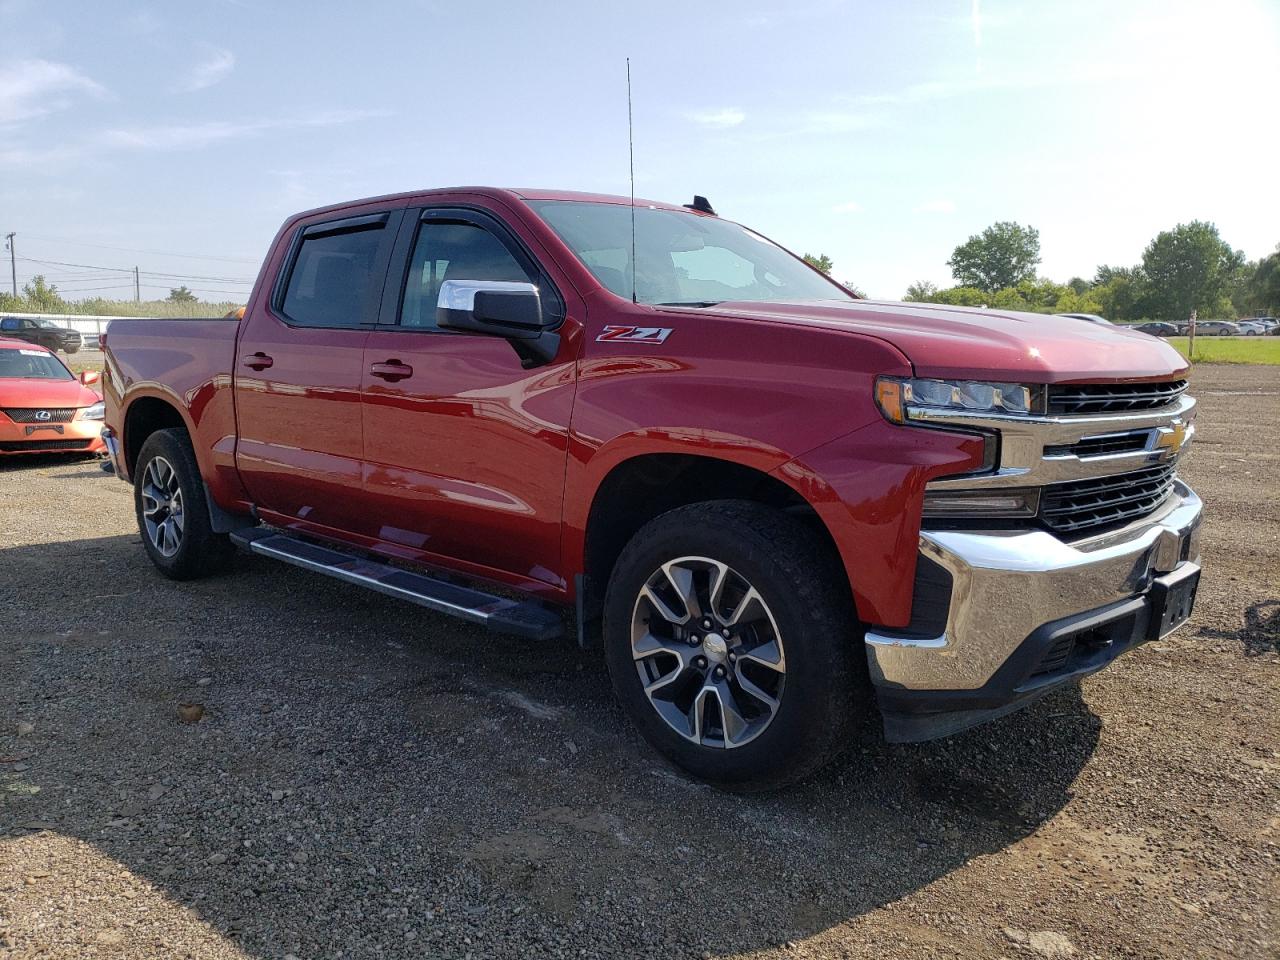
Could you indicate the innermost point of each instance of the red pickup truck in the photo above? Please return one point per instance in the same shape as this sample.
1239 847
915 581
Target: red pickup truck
774 505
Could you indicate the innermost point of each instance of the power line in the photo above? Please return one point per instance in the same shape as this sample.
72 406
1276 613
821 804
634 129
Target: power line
129 270
114 286
158 253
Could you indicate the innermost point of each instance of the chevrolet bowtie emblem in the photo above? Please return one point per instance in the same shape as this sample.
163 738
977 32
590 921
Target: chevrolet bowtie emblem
1171 439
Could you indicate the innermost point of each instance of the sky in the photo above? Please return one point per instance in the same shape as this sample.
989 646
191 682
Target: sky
178 136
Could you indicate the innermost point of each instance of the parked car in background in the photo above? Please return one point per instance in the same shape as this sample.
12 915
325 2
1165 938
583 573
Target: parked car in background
43 333
1251 328
1091 317
1217 328
1158 328
44 407
773 504
1271 324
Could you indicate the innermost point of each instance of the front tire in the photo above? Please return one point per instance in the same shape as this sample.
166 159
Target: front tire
173 515
733 646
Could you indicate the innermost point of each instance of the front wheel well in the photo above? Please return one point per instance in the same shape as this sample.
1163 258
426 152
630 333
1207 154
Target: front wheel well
144 417
642 488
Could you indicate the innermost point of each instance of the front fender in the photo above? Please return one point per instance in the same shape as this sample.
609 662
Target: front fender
868 489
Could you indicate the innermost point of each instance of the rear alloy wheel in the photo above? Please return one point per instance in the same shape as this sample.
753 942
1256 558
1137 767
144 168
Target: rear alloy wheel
173 516
733 646
162 506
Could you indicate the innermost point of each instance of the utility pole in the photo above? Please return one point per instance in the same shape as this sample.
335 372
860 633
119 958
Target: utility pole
137 290
13 270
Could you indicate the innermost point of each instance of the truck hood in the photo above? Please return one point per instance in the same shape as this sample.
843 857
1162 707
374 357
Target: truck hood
980 344
45 393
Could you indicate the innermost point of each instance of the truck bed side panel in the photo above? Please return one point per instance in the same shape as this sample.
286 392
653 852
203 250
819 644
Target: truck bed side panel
186 364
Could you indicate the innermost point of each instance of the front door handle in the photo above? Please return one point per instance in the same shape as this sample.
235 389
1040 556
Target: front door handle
257 361
391 370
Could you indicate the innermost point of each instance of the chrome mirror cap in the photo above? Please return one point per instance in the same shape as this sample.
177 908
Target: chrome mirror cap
461 294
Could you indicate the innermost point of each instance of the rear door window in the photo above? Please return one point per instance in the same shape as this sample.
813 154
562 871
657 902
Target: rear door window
335 272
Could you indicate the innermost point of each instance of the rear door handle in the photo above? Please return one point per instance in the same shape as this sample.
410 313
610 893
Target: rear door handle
391 370
257 361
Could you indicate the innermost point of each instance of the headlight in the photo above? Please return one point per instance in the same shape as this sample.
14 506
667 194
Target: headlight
901 400
96 412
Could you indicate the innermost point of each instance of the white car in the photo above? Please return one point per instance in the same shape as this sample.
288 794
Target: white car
1251 328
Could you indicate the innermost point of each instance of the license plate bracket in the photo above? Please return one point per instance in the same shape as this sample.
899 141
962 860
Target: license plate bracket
1173 597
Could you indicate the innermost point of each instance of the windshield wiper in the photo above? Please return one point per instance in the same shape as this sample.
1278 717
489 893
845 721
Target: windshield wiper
688 303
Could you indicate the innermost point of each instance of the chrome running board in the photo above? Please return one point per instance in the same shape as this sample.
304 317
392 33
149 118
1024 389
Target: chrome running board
523 618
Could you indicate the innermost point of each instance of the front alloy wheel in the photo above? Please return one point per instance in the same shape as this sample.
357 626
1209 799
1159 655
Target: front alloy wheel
708 652
698 607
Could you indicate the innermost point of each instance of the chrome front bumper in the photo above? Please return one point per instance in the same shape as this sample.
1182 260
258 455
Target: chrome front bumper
1005 585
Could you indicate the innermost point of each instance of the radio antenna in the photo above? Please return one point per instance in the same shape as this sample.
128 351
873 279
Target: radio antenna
631 157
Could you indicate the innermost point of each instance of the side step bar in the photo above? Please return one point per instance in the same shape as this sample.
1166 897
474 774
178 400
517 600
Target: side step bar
524 618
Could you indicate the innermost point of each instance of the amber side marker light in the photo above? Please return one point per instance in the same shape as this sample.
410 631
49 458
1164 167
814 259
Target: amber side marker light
889 400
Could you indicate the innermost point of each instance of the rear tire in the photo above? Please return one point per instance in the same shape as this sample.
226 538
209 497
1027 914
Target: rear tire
173 515
789 660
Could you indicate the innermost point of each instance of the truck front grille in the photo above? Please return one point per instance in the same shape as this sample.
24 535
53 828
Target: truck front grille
1102 446
32 414
33 446
1093 505
1076 399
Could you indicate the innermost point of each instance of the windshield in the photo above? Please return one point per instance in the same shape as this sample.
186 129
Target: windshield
31 365
681 258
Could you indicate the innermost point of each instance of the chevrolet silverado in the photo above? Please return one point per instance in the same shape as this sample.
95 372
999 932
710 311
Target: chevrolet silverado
773 505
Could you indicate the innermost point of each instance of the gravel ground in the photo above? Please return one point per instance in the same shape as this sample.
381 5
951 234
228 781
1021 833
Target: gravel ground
370 780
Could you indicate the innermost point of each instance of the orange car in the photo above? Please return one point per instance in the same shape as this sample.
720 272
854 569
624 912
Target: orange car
44 407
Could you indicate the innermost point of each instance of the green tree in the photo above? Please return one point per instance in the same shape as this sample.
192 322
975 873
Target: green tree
1002 256
962 297
1105 274
922 292
1258 291
181 295
820 262
1124 299
1190 268
42 297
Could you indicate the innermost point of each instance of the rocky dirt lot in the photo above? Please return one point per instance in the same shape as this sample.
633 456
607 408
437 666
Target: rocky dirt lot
370 780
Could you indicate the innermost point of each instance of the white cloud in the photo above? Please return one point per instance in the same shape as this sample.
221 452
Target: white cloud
936 206
851 206
834 121
29 88
722 119
212 69
180 136
188 136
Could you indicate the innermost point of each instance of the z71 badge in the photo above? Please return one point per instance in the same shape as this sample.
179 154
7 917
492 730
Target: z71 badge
635 334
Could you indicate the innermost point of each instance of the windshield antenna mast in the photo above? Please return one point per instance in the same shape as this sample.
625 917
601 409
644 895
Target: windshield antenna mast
631 157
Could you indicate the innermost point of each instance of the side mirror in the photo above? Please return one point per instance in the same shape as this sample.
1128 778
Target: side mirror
88 377
498 308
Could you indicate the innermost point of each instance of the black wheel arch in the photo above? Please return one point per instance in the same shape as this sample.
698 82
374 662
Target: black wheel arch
641 488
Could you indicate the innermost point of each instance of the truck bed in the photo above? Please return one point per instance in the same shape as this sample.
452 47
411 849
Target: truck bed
186 362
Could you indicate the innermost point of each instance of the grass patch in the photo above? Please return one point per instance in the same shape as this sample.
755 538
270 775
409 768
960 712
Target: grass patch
79 363
1260 350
